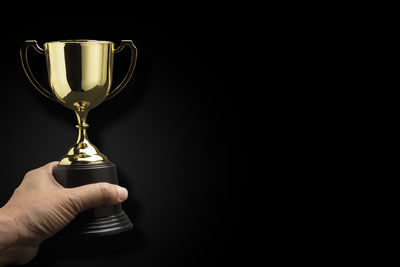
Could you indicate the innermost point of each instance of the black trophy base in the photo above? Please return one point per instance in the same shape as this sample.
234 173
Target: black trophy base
110 225
99 221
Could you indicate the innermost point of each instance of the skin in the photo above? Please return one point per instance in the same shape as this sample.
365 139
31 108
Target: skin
40 207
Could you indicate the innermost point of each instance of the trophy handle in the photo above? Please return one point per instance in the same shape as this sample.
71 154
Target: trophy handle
27 69
129 43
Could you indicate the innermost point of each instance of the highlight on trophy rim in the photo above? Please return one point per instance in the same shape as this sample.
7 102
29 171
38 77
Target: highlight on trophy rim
80 78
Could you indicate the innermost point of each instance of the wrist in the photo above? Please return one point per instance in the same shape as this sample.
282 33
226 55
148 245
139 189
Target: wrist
8 238
8 233
13 248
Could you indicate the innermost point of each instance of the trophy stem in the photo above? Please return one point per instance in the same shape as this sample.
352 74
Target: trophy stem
82 126
83 151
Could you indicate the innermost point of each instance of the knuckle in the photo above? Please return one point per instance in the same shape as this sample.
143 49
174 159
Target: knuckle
34 173
107 191
29 174
49 167
18 190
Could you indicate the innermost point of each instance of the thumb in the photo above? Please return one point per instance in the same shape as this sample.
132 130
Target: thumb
93 195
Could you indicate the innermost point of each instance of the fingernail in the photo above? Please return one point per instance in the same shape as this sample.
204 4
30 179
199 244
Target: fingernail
122 193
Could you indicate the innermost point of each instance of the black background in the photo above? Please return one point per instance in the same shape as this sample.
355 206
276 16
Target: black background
174 132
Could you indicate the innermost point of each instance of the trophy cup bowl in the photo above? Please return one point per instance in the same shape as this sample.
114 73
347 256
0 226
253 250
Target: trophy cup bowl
80 78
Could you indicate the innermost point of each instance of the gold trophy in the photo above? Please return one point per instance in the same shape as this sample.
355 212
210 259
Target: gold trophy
80 74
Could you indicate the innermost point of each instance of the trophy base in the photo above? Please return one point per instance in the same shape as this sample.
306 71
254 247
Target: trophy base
104 226
99 221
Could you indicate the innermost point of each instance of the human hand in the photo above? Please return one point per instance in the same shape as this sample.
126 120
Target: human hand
40 207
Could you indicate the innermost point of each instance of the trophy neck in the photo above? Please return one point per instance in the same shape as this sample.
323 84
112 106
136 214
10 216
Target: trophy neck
82 126
83 151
